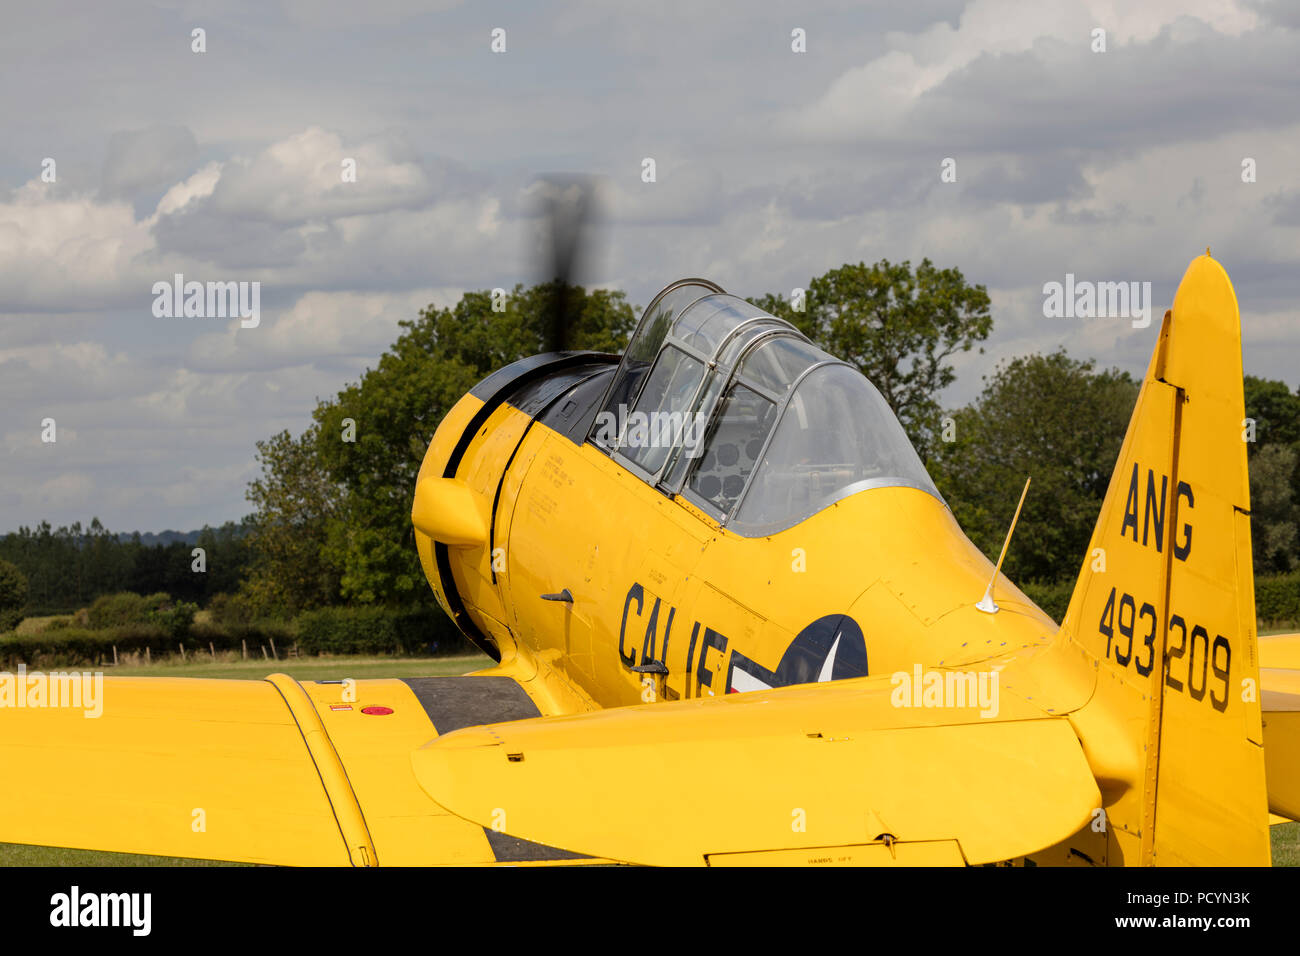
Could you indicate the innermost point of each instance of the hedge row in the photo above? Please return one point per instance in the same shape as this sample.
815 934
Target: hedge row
1277 597
1052 596
76 646
362 630
374 630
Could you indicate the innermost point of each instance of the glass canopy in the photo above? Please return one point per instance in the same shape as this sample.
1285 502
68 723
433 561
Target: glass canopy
739 413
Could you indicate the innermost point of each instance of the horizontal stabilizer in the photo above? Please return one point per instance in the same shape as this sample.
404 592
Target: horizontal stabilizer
812 766
1279 686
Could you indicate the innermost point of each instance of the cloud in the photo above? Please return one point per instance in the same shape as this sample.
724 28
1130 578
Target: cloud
929 72
147 158
301 178
66 253
284 215
319 326
683 194
772 168
333 14
1285 208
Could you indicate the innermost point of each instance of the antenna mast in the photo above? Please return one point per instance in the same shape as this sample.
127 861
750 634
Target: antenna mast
986 603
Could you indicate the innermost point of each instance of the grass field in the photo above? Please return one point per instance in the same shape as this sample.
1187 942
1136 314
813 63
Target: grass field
305 668
18 854
1285 838
1286 844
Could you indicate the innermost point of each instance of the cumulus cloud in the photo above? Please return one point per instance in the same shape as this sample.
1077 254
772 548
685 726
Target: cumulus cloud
302 178
284 214
772 168
66 253
877 98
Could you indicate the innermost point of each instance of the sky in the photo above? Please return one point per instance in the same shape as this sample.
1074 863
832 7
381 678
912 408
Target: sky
772 165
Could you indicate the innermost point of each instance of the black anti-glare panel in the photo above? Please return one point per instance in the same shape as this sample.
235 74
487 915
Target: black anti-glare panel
572 414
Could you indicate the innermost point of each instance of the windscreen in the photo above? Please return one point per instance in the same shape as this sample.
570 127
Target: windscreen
662 408
643 348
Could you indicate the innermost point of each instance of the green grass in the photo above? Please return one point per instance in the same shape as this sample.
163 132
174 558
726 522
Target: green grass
19 854
305 668
1285 838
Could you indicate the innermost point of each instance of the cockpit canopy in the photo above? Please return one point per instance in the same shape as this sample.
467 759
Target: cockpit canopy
738 412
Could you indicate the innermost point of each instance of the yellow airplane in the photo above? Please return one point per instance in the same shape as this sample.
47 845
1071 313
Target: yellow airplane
734 623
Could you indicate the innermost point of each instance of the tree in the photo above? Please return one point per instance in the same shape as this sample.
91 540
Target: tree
1273 513
1274 477
68 568
364 451
1276 412
13 595
296 502
899 328
1046 416
228 552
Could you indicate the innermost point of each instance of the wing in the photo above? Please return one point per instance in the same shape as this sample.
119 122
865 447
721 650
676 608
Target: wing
255 771
810 774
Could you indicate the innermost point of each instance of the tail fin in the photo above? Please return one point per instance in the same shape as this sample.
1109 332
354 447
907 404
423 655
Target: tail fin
1165 606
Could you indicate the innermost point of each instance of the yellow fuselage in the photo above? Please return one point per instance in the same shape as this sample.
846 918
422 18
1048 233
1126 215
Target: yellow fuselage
653 578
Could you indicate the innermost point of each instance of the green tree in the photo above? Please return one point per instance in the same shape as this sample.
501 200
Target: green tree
899 327
68 568
228 553
1274 477
1273 513
1275 409
295 501
1049 417
13 595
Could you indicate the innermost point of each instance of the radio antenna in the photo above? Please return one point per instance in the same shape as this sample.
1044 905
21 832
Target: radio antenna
986 603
